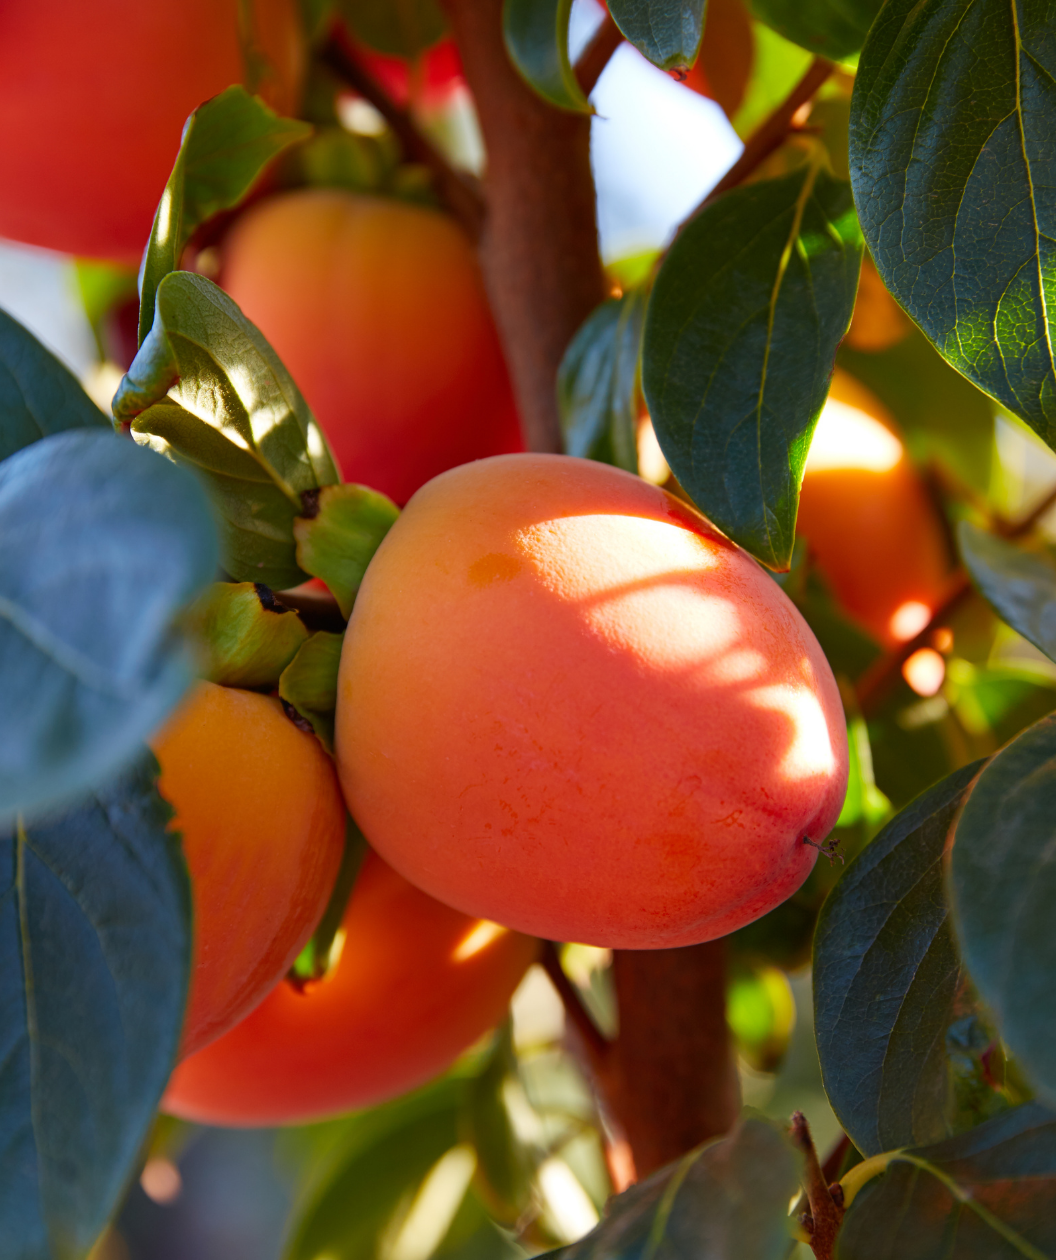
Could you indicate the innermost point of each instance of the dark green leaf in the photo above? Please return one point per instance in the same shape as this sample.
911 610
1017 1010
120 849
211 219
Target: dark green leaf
828 28
309 683
315 14
104 544
740 336
207 389
244 637
38 395
1003 887
227 142
536 35
667 34
985 1195
400 28
726 1201
339 540
886 974
1020 585
952 160
597 384
94 961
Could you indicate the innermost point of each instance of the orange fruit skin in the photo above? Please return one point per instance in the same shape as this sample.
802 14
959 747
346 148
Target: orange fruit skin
567 704
263 825
875 535
94 97
378 310
397 1009
727 51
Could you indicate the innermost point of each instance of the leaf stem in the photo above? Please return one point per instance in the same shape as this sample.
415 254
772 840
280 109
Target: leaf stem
825 1212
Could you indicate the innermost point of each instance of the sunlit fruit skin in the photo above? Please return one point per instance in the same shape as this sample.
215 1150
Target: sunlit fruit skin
415 984
263 825
874 532
378 309
94 97
566 703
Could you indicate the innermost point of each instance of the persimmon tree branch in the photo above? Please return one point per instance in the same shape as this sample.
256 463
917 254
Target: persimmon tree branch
597 54
459 190
596 1045
826 1208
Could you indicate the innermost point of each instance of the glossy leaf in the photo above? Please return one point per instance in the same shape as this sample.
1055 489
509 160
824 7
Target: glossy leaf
226 144
667 34
94 962
244 637
886 974
740 336
1003 887
38 395
309 683
1020 585
984 1195
727 1200
338 539
827 28
953 163
207 389
104 544
536 36
598 381
400 28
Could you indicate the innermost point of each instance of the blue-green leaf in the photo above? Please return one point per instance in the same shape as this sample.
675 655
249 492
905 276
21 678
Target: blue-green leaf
104 543
668 34
1020 585
94 961
226 144
405 28
886 973
828 28
1003 888
536 35
740 336
953 168
38 395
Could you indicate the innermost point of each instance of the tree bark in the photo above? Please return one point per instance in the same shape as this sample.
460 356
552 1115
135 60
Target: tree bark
539 245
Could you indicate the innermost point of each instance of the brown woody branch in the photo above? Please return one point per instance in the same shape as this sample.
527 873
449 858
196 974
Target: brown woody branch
826 1206
459 190
595 1043
597 54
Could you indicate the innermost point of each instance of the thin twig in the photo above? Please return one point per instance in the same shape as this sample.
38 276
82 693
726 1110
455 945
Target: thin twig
460 191
597 54
825 1212
596 1043
1018 528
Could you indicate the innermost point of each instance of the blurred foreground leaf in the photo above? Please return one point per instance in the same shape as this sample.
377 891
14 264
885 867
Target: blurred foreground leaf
827 28
1020 585
94 960
104 544
404 29
536 35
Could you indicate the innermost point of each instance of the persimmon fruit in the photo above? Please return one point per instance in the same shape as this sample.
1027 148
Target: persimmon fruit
566 703
871 526
378 309
414 985
263 824
94 98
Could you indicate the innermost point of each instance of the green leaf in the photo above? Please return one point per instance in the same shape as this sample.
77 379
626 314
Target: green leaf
952 160
94 961
244 636
536 36
309 683
598 381
313 962
827 28
400 28
667 34
207 389
886 973
1020 585
338 538
38 395
985 1195
740 336
1003 886
226 144
727 1200
103 546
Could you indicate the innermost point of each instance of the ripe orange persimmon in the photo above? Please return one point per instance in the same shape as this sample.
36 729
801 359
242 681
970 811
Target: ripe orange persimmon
873 530
263 825
94 98
415 984
568 704
378 309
